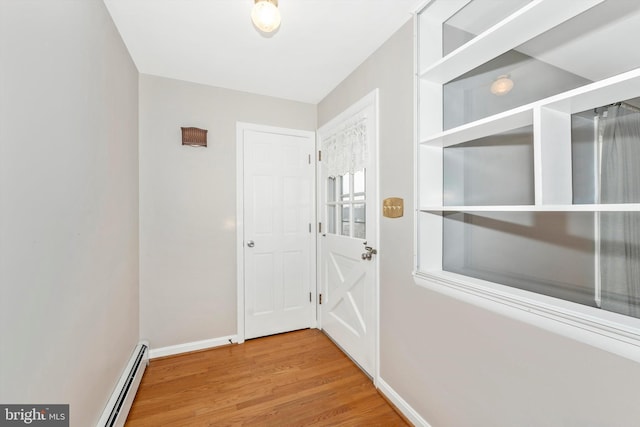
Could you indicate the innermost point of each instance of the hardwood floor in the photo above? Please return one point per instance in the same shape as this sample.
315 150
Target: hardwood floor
296 379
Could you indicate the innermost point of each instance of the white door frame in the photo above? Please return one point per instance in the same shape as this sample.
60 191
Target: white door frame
241 127
370 99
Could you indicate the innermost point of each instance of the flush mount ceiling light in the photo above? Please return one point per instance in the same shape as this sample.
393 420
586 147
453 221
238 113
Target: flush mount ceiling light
502 85
265 15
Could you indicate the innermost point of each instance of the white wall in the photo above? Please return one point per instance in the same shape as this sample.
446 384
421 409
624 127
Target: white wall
68 205
454 363
188 205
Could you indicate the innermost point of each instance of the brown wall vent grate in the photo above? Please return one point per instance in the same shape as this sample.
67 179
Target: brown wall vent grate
194 137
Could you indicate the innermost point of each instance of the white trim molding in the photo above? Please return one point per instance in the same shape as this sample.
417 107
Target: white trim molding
401 404
241 128
192 346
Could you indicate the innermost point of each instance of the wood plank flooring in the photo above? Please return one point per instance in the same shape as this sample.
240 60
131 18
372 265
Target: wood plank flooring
296 379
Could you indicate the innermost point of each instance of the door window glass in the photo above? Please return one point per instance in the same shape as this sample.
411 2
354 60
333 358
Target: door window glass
346 205
358 186
331 189
359 221
331 219
345 220
345 187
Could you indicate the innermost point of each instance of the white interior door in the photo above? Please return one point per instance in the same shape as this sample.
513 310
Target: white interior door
348 266
278 237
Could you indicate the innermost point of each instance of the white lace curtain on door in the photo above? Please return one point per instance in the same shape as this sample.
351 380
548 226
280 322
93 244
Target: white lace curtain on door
345 150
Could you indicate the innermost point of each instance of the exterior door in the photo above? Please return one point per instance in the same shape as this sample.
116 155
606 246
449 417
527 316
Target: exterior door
348 267
278 242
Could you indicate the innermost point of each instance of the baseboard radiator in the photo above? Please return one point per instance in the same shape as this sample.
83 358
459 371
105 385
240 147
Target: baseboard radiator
117 409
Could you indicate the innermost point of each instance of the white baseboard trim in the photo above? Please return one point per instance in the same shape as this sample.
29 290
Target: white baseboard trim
401 404
192 346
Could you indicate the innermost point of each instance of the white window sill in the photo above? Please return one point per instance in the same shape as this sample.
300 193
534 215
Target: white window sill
612 332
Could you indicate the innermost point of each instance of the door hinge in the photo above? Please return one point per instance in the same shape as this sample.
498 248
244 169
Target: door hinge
309 158
319 227
320 299
309 227
319 155
309 296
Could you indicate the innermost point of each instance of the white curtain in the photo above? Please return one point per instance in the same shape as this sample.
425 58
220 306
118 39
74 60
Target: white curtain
345 150
620 231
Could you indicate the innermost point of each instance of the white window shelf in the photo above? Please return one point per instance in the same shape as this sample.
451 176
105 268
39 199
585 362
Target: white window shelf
614 89
551 119
604 92
532 20
617 207
498 123
440 178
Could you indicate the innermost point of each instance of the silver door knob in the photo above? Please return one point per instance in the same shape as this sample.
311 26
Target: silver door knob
251 243
369 253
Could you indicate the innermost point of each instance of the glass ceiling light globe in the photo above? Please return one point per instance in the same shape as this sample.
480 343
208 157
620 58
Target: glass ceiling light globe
502 85
265 15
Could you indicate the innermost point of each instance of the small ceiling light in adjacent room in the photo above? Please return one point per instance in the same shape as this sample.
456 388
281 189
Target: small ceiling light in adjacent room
194 137
265 15
502 85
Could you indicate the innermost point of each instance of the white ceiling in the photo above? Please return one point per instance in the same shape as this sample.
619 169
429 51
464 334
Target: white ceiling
319 43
